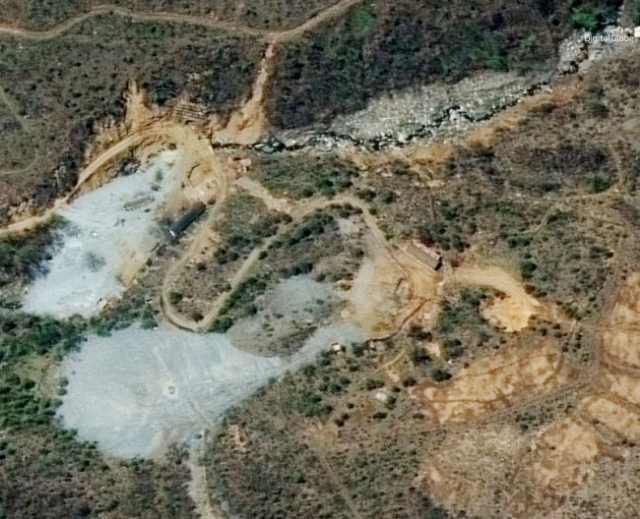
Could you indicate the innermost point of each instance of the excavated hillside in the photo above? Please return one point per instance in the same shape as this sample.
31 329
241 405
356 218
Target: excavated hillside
279 278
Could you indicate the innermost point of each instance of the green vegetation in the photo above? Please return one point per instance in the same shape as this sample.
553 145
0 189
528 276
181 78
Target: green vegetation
560 167
439 374
303 176
600 183
310 404
135 307
244 226
381 47
17 151
40 13
22 256
584 18
315 225
293 454
510 201
481 47
527 200
242 299
460 326
24 335
34 448
527 268
294 253
635 12
267 14
362 20
45 471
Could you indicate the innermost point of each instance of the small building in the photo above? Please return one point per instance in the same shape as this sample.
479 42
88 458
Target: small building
138 203
425 254
184 221
337 347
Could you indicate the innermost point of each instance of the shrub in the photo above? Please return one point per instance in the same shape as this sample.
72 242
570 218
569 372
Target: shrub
635 12
440 375
418 355
453 348
222 324
309 404
175 297
362 20
372 384
600 182
584 18
527 268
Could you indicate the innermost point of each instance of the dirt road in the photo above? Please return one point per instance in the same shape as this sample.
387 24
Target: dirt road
94 167
67 25
332 12
329 13
198 487
194 249
250 119
298 210
249 123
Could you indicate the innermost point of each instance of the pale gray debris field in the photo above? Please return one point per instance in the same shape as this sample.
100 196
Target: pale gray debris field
137 391
100 234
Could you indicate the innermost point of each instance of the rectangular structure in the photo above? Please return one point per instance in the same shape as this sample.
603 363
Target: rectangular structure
425 254
186 219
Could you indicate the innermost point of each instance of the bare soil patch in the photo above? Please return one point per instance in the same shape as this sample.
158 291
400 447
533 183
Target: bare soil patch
493 383
514 311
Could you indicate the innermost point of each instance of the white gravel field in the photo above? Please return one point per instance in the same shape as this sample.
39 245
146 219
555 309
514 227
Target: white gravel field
100 236
137 391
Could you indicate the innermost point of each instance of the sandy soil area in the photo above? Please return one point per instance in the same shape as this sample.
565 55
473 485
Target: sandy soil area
494 382
514 309
585 452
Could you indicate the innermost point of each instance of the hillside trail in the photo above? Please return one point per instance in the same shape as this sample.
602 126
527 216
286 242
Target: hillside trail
333 11
249 123
298 211
198 486
315 441
4 98
92 169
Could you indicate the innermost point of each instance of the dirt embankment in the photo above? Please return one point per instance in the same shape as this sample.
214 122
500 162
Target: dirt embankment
514 309
495 382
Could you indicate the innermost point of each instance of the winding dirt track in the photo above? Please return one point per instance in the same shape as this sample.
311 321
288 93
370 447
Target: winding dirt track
297 210
329 13
101 161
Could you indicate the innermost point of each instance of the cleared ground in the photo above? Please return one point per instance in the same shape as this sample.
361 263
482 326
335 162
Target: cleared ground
514 309
494 382
138 391
567 456
103 243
